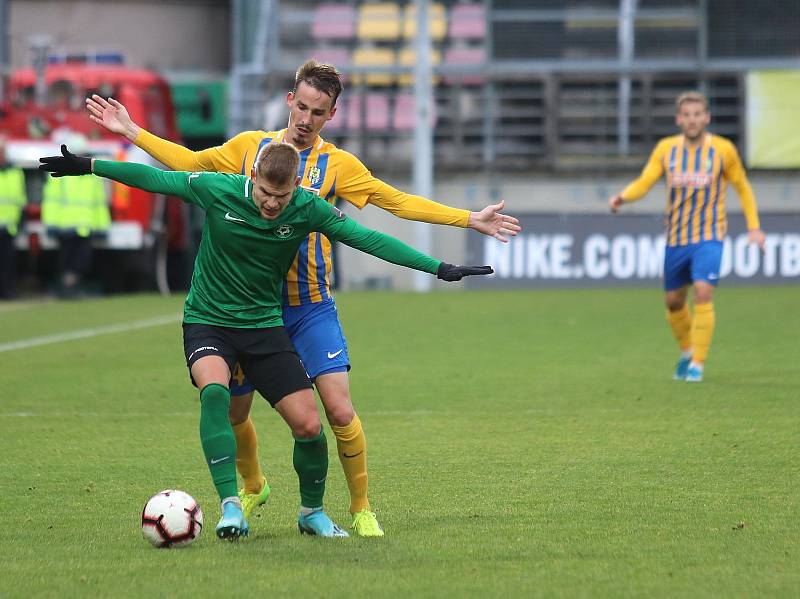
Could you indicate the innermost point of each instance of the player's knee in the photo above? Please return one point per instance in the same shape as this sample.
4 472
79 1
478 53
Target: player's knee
341 414
675 303
703 295
307 427
240 408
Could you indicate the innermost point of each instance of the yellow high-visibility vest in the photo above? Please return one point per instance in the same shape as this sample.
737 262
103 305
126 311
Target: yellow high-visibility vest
75 203
12 197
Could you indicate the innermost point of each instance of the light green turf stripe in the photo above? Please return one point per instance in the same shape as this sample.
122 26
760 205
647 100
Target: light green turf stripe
91 332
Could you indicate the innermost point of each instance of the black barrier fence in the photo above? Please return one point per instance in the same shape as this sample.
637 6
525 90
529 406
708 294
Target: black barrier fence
591 250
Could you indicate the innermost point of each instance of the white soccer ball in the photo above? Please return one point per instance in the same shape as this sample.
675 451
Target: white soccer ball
171 519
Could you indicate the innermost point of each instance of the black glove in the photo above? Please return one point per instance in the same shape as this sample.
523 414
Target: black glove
450 272
67 164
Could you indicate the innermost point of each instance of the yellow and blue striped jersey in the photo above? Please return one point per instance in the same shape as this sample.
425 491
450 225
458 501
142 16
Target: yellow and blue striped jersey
697 178
325 170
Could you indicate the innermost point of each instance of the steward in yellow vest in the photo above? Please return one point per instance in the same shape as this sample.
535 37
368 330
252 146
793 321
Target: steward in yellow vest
73 210
12 202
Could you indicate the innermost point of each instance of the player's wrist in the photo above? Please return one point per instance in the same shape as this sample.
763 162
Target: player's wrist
132 131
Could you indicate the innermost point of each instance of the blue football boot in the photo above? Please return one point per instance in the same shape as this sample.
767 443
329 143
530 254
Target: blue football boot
318 523
694 373
681 368
232 525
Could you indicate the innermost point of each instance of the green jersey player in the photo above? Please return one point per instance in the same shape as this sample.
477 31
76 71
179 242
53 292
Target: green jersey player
252 231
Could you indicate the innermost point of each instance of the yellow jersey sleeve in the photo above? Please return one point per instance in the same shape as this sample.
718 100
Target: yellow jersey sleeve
651 173
358 186
224 159
734 172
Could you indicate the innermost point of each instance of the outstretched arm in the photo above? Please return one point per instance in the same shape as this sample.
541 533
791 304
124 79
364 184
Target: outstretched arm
334 224
358 186
113 116
135 175
639 187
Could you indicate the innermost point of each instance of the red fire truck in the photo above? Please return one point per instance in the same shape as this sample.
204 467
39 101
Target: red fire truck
39 106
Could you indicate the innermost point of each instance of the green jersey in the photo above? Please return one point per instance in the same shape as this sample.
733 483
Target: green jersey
243 257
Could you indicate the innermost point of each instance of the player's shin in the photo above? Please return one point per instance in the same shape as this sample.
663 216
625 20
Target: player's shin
680 321
352 448
702 331
311 464
216 437
247 456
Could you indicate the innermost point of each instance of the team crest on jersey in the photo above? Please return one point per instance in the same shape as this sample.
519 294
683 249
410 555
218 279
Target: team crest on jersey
709 165
314 174
284 231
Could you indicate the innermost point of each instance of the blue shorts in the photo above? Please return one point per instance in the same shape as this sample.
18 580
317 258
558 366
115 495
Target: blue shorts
686 264
317 337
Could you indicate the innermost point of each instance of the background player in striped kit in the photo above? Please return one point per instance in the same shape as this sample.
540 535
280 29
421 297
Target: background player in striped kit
309 309
697 165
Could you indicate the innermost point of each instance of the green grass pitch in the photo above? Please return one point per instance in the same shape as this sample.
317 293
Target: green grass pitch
520 444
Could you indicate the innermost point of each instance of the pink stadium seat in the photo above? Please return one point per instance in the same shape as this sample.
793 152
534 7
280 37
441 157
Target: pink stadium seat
468 21
339 120
338 57
377 112
403 119
465 56
334 22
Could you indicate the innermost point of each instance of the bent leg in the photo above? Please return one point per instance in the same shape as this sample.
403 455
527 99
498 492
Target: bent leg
351 442
679 317
704 321
310 456
211 374
245 431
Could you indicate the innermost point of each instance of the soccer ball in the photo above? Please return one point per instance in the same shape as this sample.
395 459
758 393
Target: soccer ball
171 519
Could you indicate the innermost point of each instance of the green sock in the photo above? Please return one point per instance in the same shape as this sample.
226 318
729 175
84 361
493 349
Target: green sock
311 465
216 437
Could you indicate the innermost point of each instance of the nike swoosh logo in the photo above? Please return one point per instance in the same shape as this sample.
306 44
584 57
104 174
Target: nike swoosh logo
332 356
218 460
354 455
319 482
233 218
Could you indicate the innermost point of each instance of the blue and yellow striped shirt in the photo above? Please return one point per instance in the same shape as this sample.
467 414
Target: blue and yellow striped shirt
324 169
697 178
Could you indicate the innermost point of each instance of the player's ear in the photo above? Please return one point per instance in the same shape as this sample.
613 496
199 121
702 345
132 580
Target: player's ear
253 174
297 181
289 98
331 113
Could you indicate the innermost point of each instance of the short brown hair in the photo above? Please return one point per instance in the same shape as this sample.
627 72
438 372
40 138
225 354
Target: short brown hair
691 96
278 163
322 77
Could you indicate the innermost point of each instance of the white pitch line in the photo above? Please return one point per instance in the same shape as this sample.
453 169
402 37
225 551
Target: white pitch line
92 332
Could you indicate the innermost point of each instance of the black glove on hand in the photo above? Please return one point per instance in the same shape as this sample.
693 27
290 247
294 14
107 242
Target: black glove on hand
67 164
450 272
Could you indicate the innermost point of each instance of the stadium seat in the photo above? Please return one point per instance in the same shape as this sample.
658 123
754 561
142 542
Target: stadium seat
468 21
337 56
339 120
403 116
468 56
368 56
334 22
376 112
407 58
437 21
379 22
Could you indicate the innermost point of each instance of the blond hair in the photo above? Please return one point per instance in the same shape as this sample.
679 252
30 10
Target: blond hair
691 96
277 162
